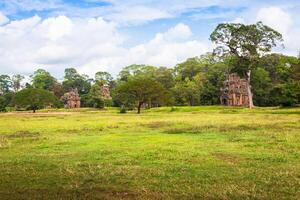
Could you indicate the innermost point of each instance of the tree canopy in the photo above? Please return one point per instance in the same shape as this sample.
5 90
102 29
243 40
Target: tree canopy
34 99
139 91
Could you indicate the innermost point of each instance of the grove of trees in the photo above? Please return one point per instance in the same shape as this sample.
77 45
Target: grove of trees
245 49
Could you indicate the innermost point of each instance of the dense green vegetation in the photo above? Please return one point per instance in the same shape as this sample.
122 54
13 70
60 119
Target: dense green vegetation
164 153
242 49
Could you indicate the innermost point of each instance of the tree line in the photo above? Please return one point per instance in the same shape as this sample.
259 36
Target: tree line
274 79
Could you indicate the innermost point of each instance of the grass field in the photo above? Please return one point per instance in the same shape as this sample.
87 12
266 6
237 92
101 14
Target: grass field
164 153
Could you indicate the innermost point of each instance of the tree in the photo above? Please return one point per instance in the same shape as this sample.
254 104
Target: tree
2 104
262 86
41 79
138 91
246 44
96 96
104 77
34 98
73 79
5 84
187 91
16 82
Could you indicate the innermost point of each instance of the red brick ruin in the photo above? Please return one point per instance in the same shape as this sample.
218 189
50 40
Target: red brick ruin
105 92
71 99
234 91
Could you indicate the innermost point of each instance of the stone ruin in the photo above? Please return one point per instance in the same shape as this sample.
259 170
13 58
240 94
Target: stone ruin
234 91
105 91
71 99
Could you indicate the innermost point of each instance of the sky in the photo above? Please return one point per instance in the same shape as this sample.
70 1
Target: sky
106 35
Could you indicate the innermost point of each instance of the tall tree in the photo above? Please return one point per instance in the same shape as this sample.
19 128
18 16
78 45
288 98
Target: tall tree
73 79
246 44
42 79
16 82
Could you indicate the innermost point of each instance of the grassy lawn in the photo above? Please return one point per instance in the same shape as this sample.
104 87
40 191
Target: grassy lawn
164 153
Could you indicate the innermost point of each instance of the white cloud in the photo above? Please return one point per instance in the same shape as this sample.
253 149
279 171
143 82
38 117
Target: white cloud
56 28
89 44
282 20
276 18
136 14
180 31
168 48
285 23
3 19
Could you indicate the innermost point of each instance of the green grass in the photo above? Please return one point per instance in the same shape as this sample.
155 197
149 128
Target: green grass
181 153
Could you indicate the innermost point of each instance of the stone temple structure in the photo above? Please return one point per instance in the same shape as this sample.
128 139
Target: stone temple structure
71 99
105 92
234 91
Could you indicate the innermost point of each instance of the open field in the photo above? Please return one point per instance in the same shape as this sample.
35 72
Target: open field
189 153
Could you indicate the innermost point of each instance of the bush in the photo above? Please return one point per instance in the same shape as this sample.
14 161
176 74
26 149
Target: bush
98 103
108 102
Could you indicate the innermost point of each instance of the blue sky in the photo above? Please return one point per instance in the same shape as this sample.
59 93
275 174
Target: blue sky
94 35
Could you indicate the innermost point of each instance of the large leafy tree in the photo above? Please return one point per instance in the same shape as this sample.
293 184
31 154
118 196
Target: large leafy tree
187 91
34 98
245 44
140 90
42 79
162 75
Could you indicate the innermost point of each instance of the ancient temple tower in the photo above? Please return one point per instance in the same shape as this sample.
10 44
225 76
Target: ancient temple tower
71 99
234 91
105 92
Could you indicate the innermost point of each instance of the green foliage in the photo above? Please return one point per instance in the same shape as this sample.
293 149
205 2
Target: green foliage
95 95
138 91
287 94
204 77
103 77
41 79
5 84
2 104
73 79
34 99
187 91
261 87
16 82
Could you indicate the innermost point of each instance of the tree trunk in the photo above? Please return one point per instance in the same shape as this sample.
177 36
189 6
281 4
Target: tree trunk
33 110
251 105
139 107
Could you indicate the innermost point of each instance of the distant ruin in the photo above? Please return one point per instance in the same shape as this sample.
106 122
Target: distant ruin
105 92
71 99
234 91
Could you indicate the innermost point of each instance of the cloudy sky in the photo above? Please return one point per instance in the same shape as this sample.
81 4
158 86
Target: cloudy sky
106 35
